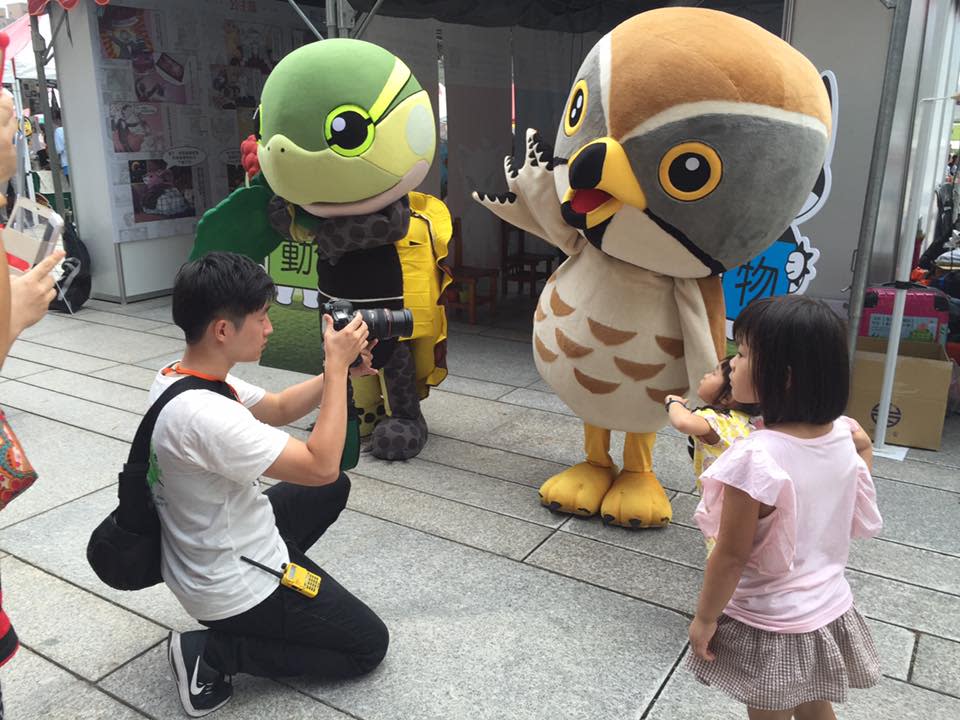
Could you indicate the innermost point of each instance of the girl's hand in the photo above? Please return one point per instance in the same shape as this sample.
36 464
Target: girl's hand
366 357
681 400
701 633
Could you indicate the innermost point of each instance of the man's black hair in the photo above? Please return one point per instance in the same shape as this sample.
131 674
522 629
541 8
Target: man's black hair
799 358
218 285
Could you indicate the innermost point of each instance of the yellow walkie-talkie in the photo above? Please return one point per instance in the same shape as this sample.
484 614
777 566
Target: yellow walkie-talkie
296 577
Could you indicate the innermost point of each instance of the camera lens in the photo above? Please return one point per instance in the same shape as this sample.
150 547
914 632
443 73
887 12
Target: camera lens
384 324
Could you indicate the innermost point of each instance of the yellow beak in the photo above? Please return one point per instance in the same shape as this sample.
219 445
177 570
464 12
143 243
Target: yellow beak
601 175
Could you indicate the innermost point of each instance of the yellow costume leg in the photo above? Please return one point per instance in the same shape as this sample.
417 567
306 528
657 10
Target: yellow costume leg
636 498
580 489
369 401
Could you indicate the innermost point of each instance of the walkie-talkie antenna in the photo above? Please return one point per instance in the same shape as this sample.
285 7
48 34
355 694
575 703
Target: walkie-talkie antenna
262 567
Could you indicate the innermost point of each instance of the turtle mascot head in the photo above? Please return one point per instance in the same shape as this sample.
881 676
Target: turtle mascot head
345 128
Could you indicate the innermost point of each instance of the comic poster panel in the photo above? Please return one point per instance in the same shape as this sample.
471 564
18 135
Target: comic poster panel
235 87
253 46
161 77
125 32
161 192
137 127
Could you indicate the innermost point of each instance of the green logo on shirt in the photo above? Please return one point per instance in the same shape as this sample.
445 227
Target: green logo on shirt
154 474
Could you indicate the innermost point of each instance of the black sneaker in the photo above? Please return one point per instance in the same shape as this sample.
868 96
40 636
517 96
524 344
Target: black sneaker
202 689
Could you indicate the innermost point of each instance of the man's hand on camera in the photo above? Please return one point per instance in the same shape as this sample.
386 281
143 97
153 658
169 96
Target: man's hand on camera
366 361
341 348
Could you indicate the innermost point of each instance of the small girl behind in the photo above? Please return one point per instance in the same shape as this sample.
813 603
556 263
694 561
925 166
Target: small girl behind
714 427
775 626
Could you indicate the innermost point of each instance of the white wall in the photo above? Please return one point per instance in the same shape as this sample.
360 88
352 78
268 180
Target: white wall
850 38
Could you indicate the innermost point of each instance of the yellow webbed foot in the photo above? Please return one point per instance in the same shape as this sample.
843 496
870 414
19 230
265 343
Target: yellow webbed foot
577 490
636 500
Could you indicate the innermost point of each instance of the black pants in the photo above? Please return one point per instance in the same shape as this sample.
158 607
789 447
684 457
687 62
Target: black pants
331 636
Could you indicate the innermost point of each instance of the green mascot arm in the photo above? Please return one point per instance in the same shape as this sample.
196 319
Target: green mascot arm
240 223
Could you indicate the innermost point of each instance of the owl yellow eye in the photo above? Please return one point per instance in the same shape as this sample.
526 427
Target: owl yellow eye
576 109
690 171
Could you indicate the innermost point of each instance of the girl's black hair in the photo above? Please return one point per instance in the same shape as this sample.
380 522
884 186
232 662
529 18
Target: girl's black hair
218 284
799 358
724 401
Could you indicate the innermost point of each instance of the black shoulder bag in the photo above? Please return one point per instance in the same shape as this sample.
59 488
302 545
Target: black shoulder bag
124 549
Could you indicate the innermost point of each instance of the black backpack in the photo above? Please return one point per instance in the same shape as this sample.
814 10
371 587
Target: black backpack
124 549
75 281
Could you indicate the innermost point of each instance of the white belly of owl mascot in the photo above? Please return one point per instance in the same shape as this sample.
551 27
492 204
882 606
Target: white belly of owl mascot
690 139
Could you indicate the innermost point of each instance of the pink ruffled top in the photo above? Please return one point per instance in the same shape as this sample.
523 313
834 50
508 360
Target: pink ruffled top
823 496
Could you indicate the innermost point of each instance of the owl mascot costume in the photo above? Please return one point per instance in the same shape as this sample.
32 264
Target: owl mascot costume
346 134
690 139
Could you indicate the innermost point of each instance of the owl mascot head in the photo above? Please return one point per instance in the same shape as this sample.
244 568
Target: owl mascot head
689 141
346 135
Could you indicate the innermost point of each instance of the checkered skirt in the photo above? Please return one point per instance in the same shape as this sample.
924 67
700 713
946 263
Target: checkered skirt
779 671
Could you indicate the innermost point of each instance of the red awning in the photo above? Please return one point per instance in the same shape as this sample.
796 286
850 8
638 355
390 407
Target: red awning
37 7
20 35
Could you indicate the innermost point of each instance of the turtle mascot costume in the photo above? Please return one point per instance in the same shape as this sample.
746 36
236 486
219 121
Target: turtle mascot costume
689 141
346 134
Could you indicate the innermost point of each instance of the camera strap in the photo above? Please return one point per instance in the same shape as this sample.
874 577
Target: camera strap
356 301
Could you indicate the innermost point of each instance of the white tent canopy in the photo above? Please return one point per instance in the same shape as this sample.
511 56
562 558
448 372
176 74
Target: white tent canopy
23 65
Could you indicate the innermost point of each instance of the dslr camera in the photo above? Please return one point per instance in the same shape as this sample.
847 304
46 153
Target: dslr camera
382 323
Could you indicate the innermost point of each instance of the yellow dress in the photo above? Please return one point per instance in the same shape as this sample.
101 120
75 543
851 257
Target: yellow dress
729 426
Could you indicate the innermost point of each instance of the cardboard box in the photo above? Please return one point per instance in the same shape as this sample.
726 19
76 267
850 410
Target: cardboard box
919 401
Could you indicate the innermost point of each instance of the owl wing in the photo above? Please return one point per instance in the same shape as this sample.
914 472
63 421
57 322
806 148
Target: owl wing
531 203
703 324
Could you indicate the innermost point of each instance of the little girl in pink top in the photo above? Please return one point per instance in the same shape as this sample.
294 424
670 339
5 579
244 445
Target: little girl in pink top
776 628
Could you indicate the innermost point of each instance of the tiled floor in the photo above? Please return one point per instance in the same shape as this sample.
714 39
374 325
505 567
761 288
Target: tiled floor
497 608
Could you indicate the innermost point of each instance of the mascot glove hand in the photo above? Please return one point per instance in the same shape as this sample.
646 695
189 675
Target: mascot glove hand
531 203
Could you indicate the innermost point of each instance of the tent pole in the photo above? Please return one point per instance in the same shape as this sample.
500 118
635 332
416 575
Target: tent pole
366 20
39 50
303 17
881 149
333 25
22 150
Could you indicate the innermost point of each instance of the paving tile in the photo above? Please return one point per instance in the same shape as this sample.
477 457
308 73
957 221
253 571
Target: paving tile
476 388
16 368
918 516
675 542
685 699
512 334
113 343
540 386
459 327
909 606
131 375
56 542
269 378
147 684
492 359
949 453
902 562
54 357
478 636
70 410
895 646
928 474
462 523
489 461
130 322
537 400
102 638
641 576
70 463
34 687
481 491
49 323
466 418
936 665
96 390
159 361
133 308
167 330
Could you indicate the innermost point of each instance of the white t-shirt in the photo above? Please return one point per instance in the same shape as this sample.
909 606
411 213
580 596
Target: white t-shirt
207 455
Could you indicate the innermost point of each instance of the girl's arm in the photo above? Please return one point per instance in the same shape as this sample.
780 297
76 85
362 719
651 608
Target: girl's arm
688 422
738 527
864 446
